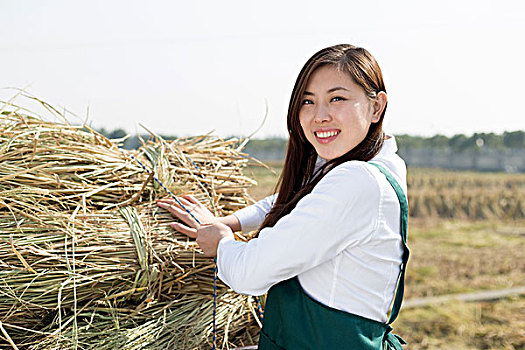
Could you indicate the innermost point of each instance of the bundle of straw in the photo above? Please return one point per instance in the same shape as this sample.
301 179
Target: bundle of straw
178 324
88 260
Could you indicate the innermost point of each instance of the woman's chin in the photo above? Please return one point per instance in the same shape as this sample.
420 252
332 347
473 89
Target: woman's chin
327 156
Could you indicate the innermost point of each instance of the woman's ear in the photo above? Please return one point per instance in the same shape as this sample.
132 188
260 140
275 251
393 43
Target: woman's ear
378 106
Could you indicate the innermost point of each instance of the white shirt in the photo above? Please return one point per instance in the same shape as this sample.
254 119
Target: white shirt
342 240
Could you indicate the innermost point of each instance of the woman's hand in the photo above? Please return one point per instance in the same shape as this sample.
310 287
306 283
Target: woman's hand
210 230
209 236
199 211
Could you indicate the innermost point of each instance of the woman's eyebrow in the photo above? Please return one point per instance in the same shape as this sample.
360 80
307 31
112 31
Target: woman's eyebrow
329 90
337 88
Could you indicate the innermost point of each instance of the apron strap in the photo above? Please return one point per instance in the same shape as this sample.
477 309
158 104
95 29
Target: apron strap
400 290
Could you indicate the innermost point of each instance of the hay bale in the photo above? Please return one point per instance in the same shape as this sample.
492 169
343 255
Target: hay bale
87 257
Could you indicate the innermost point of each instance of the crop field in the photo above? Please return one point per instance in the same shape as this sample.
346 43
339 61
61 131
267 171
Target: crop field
466 195
466 234
442 194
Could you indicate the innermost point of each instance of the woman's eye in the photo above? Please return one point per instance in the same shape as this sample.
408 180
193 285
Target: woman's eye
308 102
337 98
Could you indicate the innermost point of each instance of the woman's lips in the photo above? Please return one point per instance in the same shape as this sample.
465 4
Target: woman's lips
326 136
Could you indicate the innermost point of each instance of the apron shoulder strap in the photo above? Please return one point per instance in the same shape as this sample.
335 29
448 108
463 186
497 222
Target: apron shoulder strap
400 290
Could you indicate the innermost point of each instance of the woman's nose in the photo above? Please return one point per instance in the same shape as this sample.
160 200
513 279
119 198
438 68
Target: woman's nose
322 114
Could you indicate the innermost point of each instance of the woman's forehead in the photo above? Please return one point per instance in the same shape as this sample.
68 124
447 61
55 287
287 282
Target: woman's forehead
329 77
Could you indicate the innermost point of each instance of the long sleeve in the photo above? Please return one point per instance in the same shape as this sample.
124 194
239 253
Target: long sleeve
341 211
253 216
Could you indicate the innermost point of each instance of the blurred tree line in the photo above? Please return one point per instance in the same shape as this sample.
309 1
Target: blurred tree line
509 140
513 140
129 141
479 152
460 143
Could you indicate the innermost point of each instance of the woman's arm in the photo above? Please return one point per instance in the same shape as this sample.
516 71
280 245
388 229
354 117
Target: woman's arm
246 219
342 211
251 217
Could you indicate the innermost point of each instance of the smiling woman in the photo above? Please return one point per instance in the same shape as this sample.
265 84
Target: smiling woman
331 244
331 70
336 112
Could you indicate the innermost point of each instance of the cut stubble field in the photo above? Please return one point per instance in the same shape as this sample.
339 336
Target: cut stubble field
479 248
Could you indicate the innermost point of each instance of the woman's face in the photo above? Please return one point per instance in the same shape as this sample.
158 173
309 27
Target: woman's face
336 113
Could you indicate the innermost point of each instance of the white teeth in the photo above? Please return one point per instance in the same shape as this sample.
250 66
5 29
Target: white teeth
325 134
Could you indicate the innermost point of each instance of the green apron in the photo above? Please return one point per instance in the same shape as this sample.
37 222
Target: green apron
294 320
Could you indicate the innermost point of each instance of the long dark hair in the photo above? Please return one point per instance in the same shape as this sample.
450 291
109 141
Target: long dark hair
298 177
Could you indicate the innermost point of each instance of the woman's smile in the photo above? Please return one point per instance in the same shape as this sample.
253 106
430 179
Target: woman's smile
325 136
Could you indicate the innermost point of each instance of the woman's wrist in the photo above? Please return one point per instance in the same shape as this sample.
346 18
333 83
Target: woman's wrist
231 221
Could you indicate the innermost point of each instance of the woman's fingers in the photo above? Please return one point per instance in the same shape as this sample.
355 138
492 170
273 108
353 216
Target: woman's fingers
173 202
188 231
181 203
176 211
208 235
183 206
189 205
191 199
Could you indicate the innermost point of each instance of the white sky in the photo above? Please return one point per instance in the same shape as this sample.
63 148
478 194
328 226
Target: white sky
189 67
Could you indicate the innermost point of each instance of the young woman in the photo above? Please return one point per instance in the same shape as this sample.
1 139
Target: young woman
331 245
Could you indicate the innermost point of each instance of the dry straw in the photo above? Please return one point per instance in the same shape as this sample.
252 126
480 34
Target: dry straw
466 195
89 261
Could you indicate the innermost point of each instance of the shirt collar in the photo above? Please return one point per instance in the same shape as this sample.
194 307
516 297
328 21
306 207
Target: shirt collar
389 148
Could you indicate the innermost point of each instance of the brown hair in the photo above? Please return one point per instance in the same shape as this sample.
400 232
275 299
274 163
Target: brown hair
298 177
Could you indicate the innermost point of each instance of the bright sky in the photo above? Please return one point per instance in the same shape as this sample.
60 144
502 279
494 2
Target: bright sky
189 67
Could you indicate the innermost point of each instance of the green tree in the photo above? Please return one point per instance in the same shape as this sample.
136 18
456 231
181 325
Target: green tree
410 142
514 139
491 140
458 142
438 141
116 134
